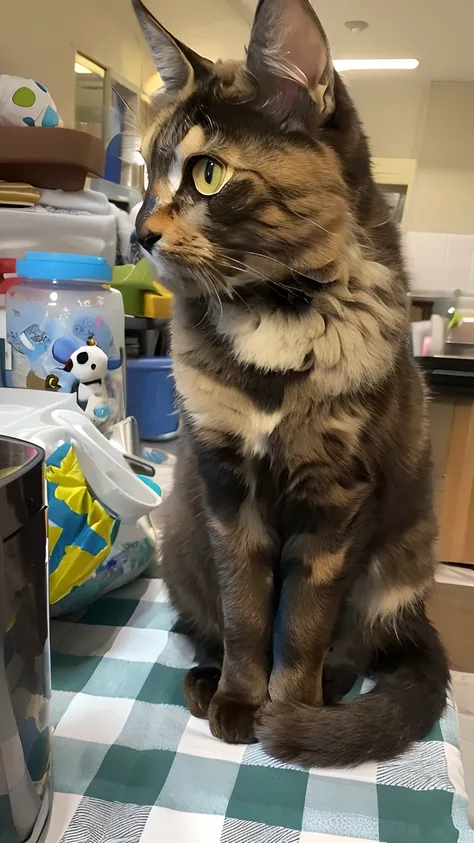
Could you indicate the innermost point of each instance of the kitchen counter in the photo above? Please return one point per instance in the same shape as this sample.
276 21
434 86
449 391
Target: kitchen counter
432 295
449 375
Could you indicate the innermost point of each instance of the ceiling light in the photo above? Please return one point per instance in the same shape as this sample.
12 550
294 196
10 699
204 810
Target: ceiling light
80 68
356 25
375 64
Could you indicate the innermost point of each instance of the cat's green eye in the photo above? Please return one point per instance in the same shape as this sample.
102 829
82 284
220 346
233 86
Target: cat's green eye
209 175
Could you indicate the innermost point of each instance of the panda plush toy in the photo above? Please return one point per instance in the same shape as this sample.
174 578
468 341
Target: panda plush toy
88 365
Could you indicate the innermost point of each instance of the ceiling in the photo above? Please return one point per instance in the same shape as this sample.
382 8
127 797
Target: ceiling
437 33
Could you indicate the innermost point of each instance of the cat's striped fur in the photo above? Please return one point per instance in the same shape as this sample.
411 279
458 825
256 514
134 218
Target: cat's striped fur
299 544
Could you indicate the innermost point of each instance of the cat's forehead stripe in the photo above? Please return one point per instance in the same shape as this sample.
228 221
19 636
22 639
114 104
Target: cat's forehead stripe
192 143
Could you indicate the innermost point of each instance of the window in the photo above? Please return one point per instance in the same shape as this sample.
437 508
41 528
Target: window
115 111
89 96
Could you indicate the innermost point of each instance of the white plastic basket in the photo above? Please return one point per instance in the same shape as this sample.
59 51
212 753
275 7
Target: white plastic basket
49 419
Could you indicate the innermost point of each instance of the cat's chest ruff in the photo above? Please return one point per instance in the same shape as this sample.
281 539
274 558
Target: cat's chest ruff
217 409
271 341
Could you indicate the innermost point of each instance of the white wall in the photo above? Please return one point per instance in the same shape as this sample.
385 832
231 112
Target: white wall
218 29
442 200
406 117
393 111
443 195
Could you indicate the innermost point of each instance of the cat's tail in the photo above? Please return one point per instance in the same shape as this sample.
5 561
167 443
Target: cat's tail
410 695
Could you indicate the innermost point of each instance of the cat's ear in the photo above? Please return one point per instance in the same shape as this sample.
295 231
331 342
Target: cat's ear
177 64
290 57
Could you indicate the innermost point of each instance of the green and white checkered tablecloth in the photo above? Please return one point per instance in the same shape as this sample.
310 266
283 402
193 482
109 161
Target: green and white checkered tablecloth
132 765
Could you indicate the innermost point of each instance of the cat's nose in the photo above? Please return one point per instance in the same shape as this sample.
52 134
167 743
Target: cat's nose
149 241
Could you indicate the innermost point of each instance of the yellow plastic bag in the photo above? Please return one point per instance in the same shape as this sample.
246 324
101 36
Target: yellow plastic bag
81 531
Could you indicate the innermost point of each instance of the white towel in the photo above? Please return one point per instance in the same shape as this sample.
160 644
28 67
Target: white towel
76 201
39 230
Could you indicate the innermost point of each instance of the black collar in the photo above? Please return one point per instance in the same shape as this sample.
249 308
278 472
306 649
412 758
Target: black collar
91 383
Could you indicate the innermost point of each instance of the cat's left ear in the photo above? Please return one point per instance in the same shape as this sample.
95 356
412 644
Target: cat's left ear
290 57
178 65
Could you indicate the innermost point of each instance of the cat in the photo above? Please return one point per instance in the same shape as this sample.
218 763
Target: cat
299 543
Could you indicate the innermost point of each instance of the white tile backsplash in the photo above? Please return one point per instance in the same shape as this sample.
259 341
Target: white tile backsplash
460 248
426 247
440 261
429 276
455 275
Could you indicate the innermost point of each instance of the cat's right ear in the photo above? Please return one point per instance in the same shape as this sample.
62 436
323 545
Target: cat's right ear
289 56
178 65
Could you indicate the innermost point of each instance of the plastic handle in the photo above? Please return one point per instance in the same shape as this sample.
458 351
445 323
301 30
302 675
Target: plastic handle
105 470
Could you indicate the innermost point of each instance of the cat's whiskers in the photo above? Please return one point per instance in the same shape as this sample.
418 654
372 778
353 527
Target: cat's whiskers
284 286
233 290
208 281
313 222
286 266
235 293
244 267
294 290
215 292
203 318
220 303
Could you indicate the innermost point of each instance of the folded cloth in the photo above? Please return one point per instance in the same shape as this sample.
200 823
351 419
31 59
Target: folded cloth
36 229
80 222
78 201
125 228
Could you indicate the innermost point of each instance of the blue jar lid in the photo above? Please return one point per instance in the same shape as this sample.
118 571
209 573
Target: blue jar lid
63 267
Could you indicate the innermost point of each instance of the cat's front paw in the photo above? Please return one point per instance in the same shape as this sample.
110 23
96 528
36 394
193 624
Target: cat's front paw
232 720
200 685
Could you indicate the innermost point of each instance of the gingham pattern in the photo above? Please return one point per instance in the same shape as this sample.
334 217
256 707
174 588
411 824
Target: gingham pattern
131 764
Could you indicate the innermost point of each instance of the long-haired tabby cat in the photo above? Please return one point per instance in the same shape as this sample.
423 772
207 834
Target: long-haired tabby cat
299 544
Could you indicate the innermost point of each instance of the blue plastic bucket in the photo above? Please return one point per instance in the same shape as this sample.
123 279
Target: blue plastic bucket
151 397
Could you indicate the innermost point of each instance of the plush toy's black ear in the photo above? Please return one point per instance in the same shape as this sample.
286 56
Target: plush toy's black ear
290 57
177 64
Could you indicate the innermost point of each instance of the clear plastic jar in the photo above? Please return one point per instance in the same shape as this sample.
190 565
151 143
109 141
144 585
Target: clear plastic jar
65 328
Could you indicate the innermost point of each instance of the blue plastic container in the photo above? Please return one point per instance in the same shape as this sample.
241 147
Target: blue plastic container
151 397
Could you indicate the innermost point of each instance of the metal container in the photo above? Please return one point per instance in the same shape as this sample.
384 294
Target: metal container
25 677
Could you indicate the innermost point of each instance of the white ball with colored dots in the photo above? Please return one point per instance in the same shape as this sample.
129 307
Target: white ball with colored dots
24 102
